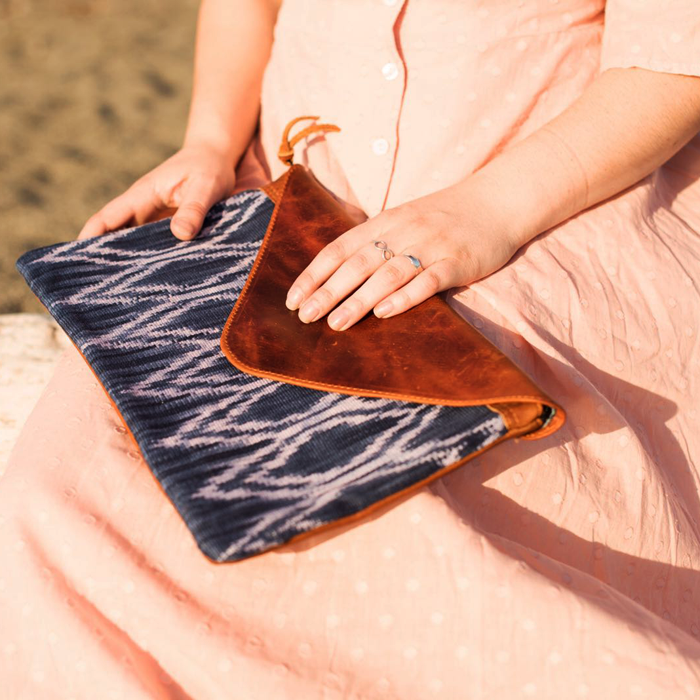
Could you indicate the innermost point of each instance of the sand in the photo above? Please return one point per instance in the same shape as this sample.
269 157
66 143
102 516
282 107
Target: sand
93 94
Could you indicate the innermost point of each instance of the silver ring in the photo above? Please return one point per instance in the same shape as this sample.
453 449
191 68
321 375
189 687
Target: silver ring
414 260
387 253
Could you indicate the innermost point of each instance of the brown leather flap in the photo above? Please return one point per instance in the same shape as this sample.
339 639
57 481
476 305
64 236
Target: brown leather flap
428 354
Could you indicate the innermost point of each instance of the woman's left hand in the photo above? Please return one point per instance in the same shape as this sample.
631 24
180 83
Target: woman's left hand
457 238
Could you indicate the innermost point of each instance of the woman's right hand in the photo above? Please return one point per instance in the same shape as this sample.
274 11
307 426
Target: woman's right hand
188 184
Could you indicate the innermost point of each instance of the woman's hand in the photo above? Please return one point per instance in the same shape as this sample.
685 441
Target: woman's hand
188 183
455 236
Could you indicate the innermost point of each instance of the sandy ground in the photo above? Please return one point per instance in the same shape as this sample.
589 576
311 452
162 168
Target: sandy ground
93 94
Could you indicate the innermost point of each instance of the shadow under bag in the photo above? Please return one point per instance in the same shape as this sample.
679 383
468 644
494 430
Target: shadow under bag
262 429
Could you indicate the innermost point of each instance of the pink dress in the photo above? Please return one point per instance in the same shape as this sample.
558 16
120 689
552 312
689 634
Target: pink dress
566 567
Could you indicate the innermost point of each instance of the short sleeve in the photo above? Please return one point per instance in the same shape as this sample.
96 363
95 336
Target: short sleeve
661 35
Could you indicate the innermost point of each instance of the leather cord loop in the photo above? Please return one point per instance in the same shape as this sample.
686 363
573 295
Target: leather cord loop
286 149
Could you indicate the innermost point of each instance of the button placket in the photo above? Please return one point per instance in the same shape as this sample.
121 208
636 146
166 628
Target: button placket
382 141
390 70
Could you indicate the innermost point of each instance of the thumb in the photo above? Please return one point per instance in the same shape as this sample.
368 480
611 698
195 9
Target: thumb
198 196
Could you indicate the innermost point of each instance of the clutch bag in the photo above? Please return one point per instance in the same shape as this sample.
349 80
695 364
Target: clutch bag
259 428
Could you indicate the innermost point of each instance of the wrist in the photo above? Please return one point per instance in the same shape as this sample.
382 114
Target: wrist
212 131
531 187
211 137
497 207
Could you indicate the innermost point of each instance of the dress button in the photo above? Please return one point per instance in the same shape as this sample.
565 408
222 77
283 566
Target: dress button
380 146
390 70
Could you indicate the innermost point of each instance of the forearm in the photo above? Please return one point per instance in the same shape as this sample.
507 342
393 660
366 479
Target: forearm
233 43
627 123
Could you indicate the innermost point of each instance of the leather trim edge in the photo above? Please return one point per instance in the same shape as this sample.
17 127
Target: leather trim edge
274 189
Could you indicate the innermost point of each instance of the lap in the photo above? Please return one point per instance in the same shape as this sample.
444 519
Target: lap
103 583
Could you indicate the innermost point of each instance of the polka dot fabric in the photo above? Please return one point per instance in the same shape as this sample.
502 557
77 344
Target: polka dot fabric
661 35
566 567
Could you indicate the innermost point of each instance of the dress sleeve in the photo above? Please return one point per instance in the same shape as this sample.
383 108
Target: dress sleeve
661 35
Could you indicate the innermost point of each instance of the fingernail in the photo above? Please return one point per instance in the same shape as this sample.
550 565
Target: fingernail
384 308
294 297
338 319
309 312
183 228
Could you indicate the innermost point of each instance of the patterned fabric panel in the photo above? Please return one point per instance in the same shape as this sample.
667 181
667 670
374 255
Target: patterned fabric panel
248 462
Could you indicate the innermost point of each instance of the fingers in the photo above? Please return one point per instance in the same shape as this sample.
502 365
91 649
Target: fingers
389 287
393 289
351 262
142 203
390 276
356 269
136 204
199 193
330 259
436 278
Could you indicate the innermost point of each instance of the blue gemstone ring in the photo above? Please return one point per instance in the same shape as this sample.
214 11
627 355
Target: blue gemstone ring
414 260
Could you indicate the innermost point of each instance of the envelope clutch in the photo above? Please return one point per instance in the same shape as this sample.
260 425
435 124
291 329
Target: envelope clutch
262 429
